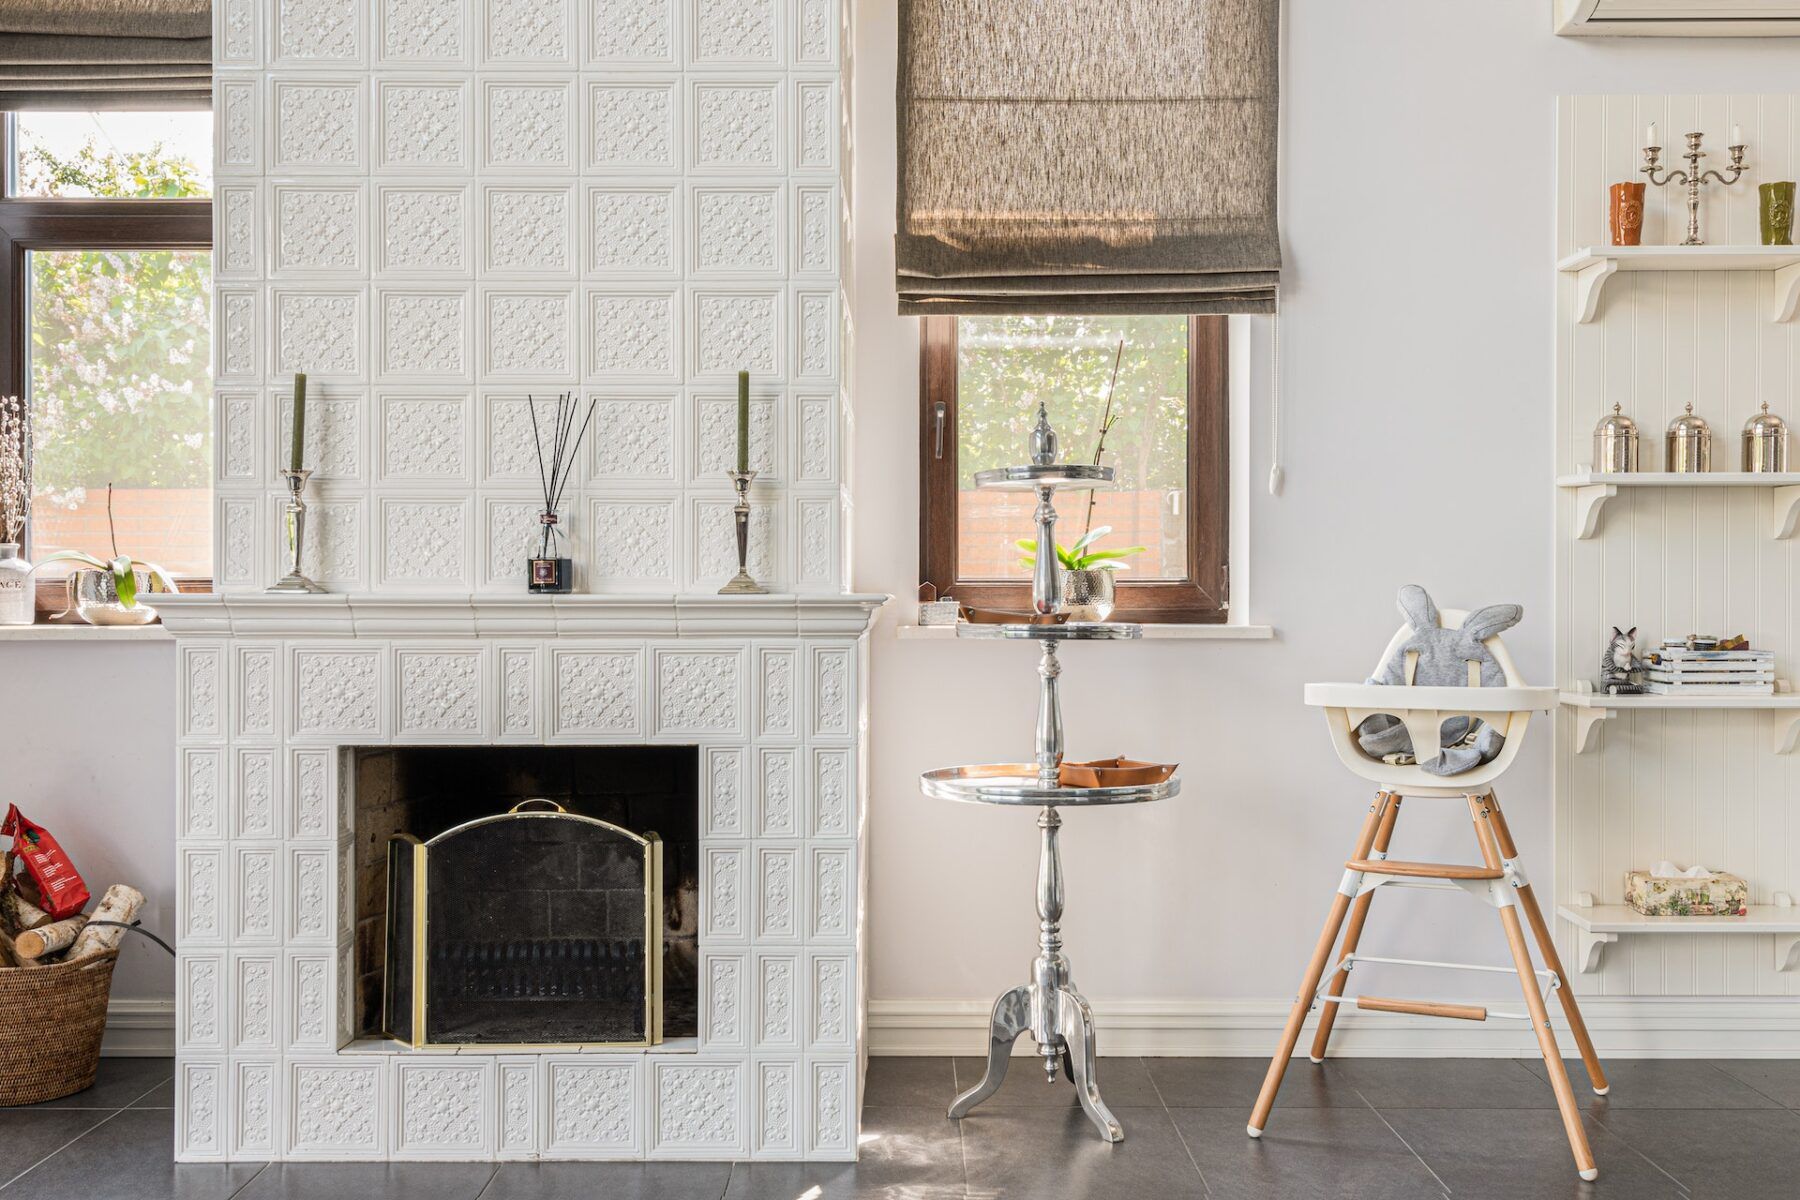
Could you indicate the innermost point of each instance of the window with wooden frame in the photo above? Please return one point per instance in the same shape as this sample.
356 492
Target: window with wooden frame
106 329
981 380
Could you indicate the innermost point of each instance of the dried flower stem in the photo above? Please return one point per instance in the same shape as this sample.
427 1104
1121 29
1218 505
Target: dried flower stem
1106 424
15 470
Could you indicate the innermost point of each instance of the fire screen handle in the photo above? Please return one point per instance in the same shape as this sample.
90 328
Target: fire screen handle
553 806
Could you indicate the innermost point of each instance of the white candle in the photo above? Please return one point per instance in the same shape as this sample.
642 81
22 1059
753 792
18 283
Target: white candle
1737 135
1650 135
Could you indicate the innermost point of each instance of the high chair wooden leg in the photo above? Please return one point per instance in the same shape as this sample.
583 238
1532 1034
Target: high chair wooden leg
1480 811
1547 947
1359 913
1315 970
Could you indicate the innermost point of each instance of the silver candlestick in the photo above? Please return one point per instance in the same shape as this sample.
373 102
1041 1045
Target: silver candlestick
294 527
742 584
1693 177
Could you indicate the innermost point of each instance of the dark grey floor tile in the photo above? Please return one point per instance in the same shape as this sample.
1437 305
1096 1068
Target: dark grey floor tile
1124 1083
1776 1078
1235 1083
365 1181
1718 1155
1305 1154
907 1154
160 1096
1509 1153
130 1157
1659 1083
119 1082
1057 1154
613 1181
1446 1082
924 1082
29 1135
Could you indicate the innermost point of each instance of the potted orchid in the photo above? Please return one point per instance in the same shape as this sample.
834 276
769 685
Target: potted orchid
105 592
1087 573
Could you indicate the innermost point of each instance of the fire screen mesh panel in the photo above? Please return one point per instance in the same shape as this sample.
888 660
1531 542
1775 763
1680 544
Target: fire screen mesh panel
539 928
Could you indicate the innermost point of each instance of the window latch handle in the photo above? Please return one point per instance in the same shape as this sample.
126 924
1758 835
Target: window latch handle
939 410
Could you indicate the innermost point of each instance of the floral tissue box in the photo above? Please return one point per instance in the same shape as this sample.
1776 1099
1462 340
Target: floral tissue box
1711 895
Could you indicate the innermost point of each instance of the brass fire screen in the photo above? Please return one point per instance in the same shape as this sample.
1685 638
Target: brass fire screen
529 928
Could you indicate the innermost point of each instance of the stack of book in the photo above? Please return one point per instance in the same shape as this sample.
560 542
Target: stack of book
1682 672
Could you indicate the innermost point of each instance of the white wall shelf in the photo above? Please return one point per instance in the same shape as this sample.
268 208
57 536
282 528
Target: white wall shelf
84 633
1594 265
1594 488
1599 925
1592 708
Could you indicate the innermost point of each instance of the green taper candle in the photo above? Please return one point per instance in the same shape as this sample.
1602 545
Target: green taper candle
299 419
743 422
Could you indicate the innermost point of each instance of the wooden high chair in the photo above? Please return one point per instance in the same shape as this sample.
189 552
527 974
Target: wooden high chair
1500 879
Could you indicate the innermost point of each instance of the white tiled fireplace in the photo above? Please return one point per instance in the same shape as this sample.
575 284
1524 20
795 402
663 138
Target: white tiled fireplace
274 690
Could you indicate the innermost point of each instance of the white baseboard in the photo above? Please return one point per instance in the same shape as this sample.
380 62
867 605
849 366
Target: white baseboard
1641 1027
139 1029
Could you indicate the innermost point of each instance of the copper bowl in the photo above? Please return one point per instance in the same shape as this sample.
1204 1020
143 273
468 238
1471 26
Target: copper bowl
994 616
1113 772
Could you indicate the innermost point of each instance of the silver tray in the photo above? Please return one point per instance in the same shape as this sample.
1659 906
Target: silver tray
1057 475
1068 631
1017 784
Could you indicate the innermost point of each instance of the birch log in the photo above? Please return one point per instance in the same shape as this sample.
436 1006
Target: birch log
121 903
20 913
48 939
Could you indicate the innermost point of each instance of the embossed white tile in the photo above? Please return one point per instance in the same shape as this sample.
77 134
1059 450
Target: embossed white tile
239 532
530 231
815 222
735 125
715 437
200 1109
527 126
239 416
780 894
443 1107
737 331
777 688
524 33
816 32
256 801
318 32
316 331
517 692
254 1000
631 33
815 335
256 1108
832 1016
237 33
831 793
309 793
591 1107
317 125
599 693
832 689
333 448
777 792
635 543
778 1015
633 335
815 543
815 451
204 692
201 902
634 439
723 792
336 691
318 230
311 897
423 33
631 231
439 694
831 1130
736 231
423 124
509 439
699 692
237 329
422 335
699 1108
425 543
425 438
256 896
725 1012
423 230
775 1109
237 144
333 553
631 126
736 32
202 796
335 1108
816 121
257 682
529 334
831 904
237 231
724 893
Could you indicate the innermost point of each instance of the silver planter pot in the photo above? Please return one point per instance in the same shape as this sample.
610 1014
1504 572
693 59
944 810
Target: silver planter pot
1087 595
95 598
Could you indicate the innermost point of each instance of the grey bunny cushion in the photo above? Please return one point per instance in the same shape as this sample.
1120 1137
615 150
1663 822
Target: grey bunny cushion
1444 656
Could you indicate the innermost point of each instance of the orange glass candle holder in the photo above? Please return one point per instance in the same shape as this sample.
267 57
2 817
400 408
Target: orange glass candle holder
1625 214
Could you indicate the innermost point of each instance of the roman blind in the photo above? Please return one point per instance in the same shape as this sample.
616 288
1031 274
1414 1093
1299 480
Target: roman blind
1087 156
99 54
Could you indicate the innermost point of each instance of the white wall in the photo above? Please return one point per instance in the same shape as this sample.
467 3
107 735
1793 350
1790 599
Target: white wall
1417 331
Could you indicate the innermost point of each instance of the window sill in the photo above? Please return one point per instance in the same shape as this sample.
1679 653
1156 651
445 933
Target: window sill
85 633
1181 633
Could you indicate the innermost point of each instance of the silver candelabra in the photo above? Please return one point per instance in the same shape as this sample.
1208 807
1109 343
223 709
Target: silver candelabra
742 584
294 528
1693 177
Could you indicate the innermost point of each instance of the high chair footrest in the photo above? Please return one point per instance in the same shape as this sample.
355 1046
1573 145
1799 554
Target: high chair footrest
1422 870
1423 1008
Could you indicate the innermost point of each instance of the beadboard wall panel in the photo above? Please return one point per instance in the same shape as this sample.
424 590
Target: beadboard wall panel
1696 786
435 209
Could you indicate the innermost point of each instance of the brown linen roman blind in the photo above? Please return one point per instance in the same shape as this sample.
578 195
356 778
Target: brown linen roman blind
1087 156
102 54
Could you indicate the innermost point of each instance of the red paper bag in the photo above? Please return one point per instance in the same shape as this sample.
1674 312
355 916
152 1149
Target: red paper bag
59 884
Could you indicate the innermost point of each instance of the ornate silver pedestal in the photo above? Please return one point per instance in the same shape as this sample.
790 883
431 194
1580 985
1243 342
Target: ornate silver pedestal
1049 1008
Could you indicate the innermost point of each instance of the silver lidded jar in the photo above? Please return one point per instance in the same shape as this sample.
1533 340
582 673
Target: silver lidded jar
1689 444
1616 443
1765 442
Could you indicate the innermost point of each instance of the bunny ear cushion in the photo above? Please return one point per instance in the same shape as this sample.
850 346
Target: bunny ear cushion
1484 623
1416 606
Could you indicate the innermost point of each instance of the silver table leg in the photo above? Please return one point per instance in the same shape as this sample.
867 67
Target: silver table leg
1049 1007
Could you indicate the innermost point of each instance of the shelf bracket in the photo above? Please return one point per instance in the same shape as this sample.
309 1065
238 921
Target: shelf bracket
1588 283
1587 725
1788 734
1589 946
1787 510
1591 499
1787 951
1787 291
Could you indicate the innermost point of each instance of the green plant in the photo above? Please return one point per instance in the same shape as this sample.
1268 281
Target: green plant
122 566
1081 556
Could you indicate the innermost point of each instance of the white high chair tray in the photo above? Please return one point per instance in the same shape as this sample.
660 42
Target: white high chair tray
1381 698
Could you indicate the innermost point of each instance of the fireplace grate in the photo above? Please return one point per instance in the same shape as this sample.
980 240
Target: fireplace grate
538 969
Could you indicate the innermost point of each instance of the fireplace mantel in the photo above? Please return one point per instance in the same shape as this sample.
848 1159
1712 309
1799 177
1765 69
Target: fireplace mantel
440 615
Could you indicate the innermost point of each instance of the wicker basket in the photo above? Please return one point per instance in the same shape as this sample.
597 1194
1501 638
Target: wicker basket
50 1039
